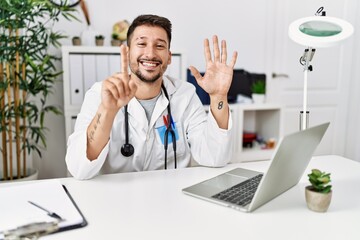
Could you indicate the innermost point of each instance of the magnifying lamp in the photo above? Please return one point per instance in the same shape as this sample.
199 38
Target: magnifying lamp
318 31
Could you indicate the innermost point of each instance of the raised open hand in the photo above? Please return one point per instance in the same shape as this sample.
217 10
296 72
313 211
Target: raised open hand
218 76
118 89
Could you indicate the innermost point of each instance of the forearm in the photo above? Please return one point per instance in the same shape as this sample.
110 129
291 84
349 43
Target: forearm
98 132
220 109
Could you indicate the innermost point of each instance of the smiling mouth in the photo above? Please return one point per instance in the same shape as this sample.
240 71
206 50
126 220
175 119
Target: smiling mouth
150 64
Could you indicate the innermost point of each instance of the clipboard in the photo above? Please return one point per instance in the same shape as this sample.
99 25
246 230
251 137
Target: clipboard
20 218
84 223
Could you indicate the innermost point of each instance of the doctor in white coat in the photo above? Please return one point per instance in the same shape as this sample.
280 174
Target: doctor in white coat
124 120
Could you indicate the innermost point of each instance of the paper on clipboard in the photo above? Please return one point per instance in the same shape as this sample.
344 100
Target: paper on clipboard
17 211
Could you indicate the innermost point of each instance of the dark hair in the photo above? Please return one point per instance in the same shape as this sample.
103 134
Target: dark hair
150 20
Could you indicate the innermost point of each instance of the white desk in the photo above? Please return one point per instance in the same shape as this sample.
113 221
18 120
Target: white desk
150 205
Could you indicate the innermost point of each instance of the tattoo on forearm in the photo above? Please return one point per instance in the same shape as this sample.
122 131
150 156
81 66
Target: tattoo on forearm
92 132
220 105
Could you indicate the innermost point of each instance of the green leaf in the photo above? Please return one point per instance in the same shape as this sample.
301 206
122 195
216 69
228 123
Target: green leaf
327 189
316 172
324 180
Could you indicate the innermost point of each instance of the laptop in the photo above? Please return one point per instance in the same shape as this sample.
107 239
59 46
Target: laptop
246 190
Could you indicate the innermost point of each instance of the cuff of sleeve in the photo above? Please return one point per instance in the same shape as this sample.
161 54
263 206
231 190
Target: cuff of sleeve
81 167
212 120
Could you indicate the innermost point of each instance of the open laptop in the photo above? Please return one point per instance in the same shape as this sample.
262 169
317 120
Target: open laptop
246 190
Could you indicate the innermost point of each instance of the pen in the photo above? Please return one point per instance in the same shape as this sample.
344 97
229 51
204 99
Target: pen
165 121
51 214
172 122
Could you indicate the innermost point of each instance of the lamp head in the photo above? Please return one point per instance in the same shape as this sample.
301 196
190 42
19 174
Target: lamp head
320 31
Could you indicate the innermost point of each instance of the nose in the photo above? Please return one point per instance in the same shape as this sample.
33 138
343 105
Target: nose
150 52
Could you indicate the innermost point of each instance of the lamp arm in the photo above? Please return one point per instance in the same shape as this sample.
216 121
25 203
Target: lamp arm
305 61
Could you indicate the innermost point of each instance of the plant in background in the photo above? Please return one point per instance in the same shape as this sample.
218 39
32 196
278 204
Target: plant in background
99 40
320 181
115 36
27 77
258 87
76 41
115 39
99 37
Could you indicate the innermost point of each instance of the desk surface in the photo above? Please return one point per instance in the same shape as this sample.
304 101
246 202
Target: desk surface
150 205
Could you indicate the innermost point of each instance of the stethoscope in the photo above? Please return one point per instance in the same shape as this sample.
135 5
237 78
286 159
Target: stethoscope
127 149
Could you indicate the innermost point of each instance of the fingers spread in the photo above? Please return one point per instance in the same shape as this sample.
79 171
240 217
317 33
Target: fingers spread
216 49
233 59
195 73
223 51
207 50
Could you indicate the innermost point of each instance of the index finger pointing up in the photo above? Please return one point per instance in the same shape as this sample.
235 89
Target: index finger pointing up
124 59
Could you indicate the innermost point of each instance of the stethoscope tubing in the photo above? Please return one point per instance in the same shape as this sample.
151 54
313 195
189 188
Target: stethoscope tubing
128 150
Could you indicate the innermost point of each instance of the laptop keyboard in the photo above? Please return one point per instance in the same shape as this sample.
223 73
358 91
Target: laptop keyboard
242 193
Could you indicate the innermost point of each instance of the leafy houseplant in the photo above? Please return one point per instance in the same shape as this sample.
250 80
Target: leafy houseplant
27 76
115 41
258 90
115 36
99 40
258 87
318 194
76 41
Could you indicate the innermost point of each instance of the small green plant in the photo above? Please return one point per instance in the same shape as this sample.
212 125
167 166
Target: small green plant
76 38
258 87
320 181
115 36
99 37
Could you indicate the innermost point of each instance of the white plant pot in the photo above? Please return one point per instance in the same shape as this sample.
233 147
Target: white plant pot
32 174
258 98
318 202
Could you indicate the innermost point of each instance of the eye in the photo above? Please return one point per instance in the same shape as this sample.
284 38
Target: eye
160 46
141 44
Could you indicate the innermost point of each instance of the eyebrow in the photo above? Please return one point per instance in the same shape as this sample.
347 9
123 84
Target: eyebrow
158 39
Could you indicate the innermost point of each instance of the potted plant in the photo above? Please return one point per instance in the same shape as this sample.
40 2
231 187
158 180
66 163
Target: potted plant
27 76
99 40
318 194
115 41
258 89
76 41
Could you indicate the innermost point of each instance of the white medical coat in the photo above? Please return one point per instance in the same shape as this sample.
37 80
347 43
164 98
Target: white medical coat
199 136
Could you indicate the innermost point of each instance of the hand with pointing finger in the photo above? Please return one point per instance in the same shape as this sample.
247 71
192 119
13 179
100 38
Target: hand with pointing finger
118 89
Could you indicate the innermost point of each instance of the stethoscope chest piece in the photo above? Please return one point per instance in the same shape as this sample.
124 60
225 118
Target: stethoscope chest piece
127 150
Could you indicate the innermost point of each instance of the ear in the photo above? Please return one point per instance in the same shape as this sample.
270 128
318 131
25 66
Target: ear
169 61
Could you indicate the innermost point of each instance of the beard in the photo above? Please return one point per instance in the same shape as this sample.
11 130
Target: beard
144 78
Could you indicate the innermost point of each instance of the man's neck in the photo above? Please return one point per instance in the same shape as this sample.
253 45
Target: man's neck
147 90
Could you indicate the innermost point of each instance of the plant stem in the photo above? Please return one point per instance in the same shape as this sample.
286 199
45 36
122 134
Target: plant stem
16 105
2 106
10 122
24 119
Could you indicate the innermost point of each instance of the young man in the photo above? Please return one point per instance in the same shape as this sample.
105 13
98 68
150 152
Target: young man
124 120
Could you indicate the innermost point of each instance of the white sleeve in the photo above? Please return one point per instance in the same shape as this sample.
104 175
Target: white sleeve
210 145
76 159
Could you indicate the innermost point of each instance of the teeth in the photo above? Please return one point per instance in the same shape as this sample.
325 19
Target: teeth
149 64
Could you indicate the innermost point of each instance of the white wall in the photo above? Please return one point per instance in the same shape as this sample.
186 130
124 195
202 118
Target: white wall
352 149
193 21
